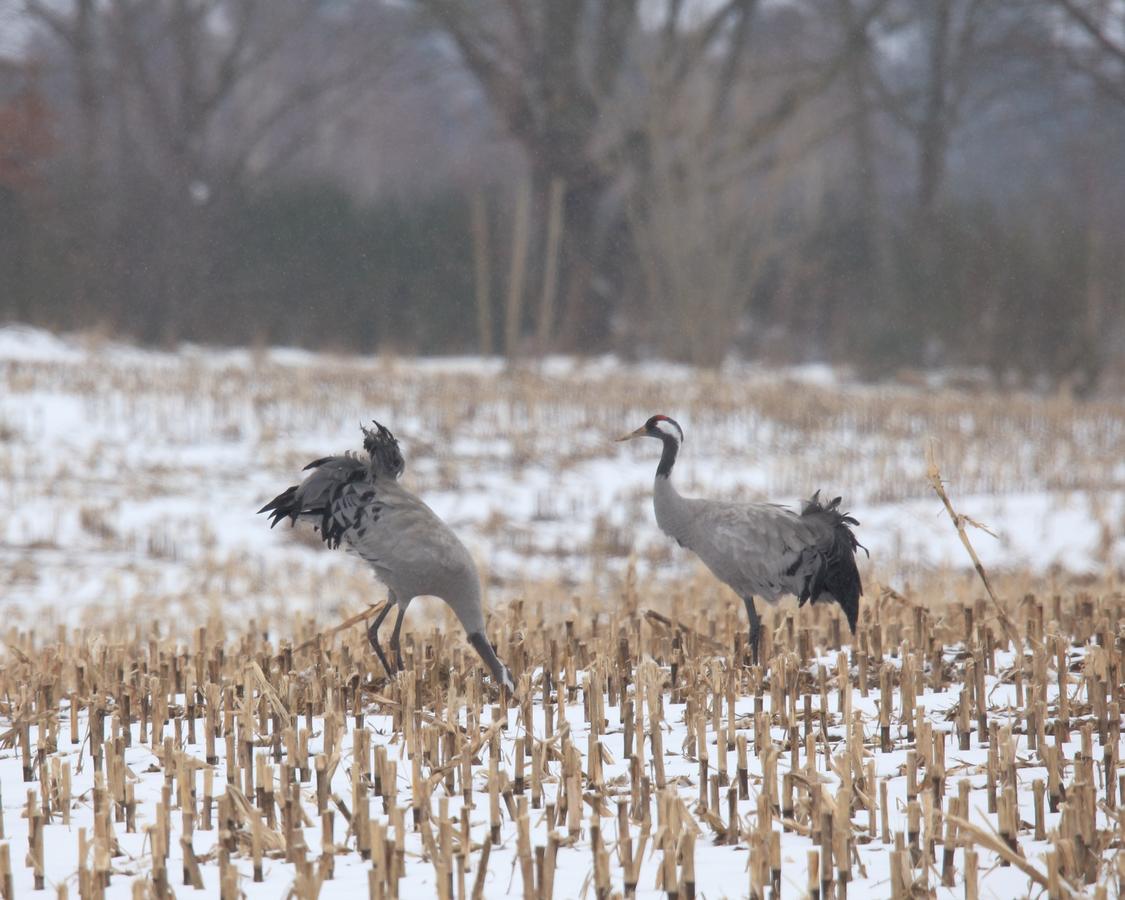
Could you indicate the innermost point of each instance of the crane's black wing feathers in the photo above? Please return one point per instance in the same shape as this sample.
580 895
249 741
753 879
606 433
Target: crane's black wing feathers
340 490
284 505
336 494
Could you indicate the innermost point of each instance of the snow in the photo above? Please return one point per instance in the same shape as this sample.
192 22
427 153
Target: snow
131 480
721 871
26 344
173 452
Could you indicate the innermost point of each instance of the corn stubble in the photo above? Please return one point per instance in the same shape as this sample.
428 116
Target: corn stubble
639 752
959 745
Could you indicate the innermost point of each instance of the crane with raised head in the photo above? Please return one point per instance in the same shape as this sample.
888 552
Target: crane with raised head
759 549
359 502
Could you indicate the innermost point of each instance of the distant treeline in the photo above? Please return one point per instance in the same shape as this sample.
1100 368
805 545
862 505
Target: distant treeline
874 182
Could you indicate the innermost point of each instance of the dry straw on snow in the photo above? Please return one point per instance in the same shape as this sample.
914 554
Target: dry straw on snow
640 753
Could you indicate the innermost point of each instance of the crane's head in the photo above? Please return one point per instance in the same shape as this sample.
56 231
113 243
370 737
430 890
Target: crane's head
381 446
660 427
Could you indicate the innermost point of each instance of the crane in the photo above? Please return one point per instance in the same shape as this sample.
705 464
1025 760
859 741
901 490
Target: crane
360 503
759 549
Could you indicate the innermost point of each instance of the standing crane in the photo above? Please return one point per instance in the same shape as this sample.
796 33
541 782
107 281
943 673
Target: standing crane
759 549
412 551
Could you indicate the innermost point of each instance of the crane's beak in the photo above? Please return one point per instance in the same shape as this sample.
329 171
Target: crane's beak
640 432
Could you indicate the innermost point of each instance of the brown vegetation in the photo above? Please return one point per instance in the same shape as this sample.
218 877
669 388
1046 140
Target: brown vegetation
639 745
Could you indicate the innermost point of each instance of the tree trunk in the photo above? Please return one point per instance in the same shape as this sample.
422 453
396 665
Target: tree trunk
585 319
933 135
482 272
553 240
517 270
86 235
875 281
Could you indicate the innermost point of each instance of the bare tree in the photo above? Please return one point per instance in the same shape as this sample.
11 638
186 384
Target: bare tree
965 58
1088 37
74 26
181 102
928 99
574 83
702 245
549 69
25 144
1092 41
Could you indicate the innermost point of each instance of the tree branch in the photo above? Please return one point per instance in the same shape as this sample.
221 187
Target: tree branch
611 43
1093 29
701 39
736 49
793 99
506 90
52 18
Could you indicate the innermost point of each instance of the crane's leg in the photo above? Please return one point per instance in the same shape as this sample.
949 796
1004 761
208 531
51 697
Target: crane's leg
396 648
755 626
373 632
499 671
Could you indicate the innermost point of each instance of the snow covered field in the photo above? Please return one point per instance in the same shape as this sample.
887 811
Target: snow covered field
131 480
641 821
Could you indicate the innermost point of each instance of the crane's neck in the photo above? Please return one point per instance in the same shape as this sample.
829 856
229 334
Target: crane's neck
672 514
667 458
465 602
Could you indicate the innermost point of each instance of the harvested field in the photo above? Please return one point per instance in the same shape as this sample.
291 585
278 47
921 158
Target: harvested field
640 756
181 710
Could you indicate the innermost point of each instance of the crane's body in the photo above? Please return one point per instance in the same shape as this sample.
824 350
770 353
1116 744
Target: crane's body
759 549
360 504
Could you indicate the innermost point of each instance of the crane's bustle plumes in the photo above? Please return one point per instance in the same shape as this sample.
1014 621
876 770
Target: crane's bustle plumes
835 577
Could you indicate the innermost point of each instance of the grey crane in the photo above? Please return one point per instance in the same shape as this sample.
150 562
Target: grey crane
412 551
759 549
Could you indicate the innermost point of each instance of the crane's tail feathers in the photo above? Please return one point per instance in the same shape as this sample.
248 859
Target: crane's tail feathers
837 577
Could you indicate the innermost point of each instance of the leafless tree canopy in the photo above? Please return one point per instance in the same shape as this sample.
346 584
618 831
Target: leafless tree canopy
878 182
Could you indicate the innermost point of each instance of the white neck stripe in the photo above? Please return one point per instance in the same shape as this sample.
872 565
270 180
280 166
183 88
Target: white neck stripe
671 429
